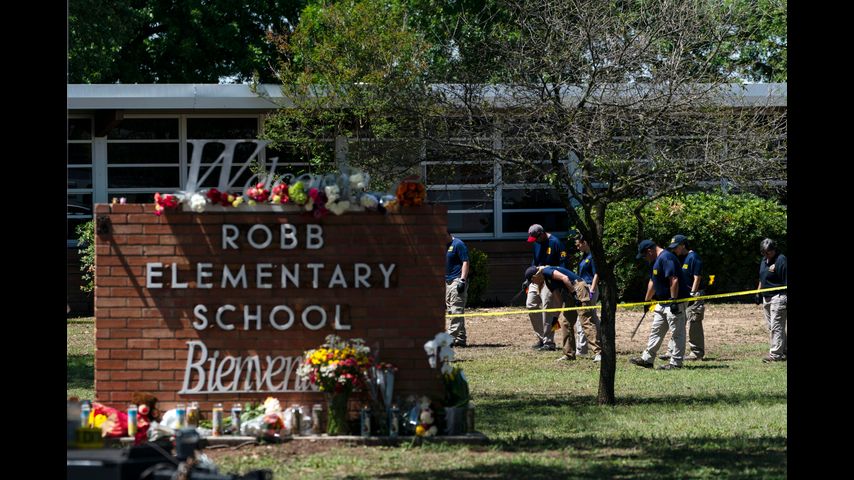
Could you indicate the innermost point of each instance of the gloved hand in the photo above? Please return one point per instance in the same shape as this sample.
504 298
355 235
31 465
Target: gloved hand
461 287
674 307
758 299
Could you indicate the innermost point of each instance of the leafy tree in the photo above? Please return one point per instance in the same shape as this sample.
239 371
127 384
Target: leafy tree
86 248
163 41
354 70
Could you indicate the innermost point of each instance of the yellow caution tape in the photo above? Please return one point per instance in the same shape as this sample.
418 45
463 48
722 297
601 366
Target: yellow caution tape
620 305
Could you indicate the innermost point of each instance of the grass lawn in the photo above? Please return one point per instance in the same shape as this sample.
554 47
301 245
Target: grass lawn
721 418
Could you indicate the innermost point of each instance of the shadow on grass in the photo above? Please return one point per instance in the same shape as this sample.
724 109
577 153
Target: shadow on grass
701 366
488 345
638 459
497 402
80 321
80 371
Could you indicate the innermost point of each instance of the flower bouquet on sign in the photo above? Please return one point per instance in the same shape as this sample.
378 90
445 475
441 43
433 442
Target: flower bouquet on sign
411 192
338 367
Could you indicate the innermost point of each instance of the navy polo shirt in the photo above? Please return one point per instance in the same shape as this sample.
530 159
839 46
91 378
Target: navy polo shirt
454 258
773 274
553 284
587 269
692 265
549 253
667 265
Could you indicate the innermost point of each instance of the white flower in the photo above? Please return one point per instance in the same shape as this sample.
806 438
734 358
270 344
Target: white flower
198 202
443 339
369 201
332 194
272 405
430 349
357 181
338 207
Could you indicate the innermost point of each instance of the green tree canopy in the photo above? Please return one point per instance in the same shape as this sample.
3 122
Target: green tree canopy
163 41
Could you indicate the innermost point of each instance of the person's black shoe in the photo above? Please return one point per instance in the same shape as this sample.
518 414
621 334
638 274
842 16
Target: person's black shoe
640 362
459 344
770 359
664 356
669 366
548 347
537 346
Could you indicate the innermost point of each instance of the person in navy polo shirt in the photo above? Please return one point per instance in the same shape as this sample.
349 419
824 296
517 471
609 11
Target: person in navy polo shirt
666 284
548 251
587 271
692 268
772 273
571 290
456 283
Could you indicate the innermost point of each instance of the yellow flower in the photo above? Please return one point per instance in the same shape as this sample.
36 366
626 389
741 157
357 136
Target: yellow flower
420 430
99 419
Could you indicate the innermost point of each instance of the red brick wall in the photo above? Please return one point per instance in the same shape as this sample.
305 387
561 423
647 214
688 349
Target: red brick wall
142 333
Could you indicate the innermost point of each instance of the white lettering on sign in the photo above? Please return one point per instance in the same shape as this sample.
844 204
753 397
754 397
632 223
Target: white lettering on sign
260 236
262 275
227 178
313 317
150 273
234 374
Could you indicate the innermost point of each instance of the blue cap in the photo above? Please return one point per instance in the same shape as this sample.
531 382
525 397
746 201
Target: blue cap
643 246
677 240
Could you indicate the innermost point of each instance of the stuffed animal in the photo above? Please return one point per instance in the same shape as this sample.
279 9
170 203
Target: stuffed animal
425 427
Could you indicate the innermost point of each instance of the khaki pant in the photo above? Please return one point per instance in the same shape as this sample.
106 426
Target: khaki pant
455 302
776 315
662 320
589 322
580 337
696 338
540 297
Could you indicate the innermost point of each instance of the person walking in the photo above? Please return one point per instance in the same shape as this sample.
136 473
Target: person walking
692 268
666 284
456 283
587 271
548 251
772 273
569 289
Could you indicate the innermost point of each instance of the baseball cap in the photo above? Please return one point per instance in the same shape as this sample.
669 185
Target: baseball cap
534 231
644 245
677 240
530 272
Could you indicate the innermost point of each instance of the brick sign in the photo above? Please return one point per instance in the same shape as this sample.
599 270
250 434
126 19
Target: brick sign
220 306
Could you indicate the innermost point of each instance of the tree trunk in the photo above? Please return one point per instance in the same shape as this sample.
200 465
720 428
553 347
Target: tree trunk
608 316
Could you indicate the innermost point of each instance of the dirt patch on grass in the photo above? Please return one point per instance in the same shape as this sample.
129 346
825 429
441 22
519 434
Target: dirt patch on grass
724 325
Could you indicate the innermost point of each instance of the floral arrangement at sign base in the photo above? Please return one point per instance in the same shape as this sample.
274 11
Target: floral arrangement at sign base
318 195
338 367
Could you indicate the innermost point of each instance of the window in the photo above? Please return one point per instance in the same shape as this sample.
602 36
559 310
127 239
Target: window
79 174
142 155
143 158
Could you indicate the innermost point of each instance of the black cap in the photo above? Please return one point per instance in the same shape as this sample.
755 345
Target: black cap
677 240
644 245
530 272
